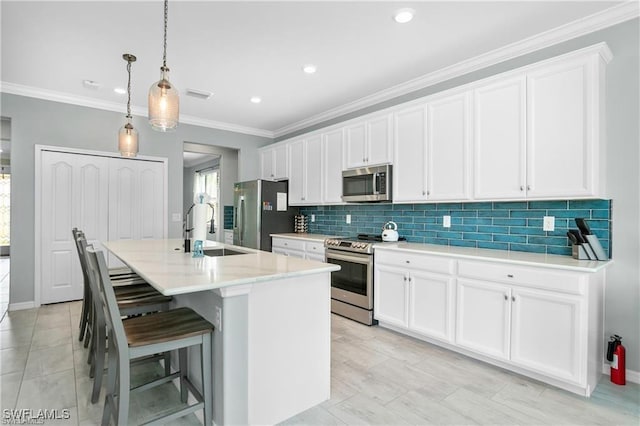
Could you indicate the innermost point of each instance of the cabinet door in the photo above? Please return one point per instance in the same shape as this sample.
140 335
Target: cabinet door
379 138
431 304
409 178
296 171
332 157
499 140
280 162
313 170
448 127
391 296
561 126
482 317
267 171
547 333
355 145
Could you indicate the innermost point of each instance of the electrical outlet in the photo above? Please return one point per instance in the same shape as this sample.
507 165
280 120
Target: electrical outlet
176 217
313 218
548 223
446 221
218 320
348 218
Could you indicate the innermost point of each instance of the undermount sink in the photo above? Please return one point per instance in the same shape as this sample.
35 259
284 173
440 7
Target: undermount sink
222 252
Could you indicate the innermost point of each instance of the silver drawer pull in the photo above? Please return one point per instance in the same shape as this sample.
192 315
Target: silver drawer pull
407 261
513 298
506 297
510 275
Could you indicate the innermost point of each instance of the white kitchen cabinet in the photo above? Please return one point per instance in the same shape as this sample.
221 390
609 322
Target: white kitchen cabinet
306 171
448 144
546 333
369 142
332 145
409 173
483 315
415 292
500 140
391 301
273 161
562 123
304 248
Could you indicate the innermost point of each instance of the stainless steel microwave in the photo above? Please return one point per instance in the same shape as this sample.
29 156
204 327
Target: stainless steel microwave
367 184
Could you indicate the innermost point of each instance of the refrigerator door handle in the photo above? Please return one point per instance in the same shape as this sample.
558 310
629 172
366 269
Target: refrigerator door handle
241 220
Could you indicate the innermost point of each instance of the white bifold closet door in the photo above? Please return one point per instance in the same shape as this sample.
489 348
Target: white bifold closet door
107 198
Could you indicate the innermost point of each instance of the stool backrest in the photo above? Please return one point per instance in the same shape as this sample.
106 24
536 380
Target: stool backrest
99 275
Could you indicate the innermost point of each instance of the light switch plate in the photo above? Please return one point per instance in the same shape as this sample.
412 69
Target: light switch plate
348 218
549 223
446 221
313 218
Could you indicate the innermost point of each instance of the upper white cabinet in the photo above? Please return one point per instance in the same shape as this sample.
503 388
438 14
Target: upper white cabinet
409 174
273 163
332 144
448 142
528 126
500 139
305 168
369 143
562 123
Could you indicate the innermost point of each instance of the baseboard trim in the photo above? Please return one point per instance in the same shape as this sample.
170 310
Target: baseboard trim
21 306
631 375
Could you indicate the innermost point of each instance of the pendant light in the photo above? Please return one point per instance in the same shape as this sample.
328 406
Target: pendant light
128 136
163 96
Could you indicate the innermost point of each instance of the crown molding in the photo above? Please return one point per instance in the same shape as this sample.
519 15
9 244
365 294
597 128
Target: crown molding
51 95
607 18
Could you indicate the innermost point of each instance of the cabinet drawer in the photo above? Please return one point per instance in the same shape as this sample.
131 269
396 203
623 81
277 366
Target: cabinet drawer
566 282
404 259
288 243
315 248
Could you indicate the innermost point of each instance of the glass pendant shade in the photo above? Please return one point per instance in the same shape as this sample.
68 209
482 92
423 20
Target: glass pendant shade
164 104
128 140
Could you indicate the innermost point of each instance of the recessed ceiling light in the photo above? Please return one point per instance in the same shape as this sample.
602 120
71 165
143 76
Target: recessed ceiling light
120 90
402 16
90 84
256 99
309 68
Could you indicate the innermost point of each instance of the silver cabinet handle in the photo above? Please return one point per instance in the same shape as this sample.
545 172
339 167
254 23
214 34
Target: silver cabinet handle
521 188
513 298
528 187
407 261
510 275
424 192
506 297
405 279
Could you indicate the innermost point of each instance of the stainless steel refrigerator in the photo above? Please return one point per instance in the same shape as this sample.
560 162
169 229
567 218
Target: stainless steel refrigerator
261 208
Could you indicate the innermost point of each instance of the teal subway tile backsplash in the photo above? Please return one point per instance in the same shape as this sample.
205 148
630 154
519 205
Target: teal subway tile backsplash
503 225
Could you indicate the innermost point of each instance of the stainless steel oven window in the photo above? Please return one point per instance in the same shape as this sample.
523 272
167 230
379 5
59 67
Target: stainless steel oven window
354 282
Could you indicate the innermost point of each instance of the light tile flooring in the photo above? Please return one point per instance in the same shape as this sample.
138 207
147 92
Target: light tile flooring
378 377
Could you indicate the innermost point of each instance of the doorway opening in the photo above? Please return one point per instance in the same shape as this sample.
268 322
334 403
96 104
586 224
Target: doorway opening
210 171
5 212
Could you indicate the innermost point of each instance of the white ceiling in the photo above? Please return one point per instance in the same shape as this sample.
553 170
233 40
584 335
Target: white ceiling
242 49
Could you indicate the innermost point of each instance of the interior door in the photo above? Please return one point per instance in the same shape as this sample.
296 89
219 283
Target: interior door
74 194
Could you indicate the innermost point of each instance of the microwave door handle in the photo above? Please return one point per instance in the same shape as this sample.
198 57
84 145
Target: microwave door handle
376 190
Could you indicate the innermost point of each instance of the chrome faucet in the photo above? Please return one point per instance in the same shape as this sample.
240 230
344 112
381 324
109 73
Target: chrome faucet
186 230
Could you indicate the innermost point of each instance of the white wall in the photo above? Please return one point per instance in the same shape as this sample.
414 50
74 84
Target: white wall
35 121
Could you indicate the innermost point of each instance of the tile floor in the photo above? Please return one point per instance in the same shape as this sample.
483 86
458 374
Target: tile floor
378 377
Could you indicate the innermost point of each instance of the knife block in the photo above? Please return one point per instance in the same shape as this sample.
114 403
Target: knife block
599 252
578 252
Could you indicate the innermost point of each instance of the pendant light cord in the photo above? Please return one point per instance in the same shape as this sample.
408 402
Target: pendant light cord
166 14
129 89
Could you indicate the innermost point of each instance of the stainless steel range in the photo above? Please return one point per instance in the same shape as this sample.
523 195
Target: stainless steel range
352 285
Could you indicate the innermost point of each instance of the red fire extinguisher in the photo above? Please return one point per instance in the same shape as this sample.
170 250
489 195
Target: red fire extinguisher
616 355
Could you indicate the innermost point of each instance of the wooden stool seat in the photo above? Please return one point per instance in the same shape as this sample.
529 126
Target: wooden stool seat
165 326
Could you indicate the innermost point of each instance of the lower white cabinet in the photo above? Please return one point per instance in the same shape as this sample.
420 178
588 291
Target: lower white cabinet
312 248
415 293
540 321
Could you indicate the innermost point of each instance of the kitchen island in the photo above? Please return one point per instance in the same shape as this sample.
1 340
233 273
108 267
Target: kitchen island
272 339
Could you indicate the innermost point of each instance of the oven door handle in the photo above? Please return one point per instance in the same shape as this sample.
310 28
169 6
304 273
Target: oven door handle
368 260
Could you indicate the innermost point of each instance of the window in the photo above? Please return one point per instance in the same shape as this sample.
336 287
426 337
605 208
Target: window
206 181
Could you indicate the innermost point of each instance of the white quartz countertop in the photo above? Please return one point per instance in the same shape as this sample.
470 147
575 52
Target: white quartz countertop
163 264
513 257
304 236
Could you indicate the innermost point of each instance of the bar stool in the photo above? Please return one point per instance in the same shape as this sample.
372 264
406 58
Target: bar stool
137 337
132 300
124 276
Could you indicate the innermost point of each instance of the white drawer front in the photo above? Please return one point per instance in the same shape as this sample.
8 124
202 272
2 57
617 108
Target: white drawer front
288 243
566 282
404 259
315 248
